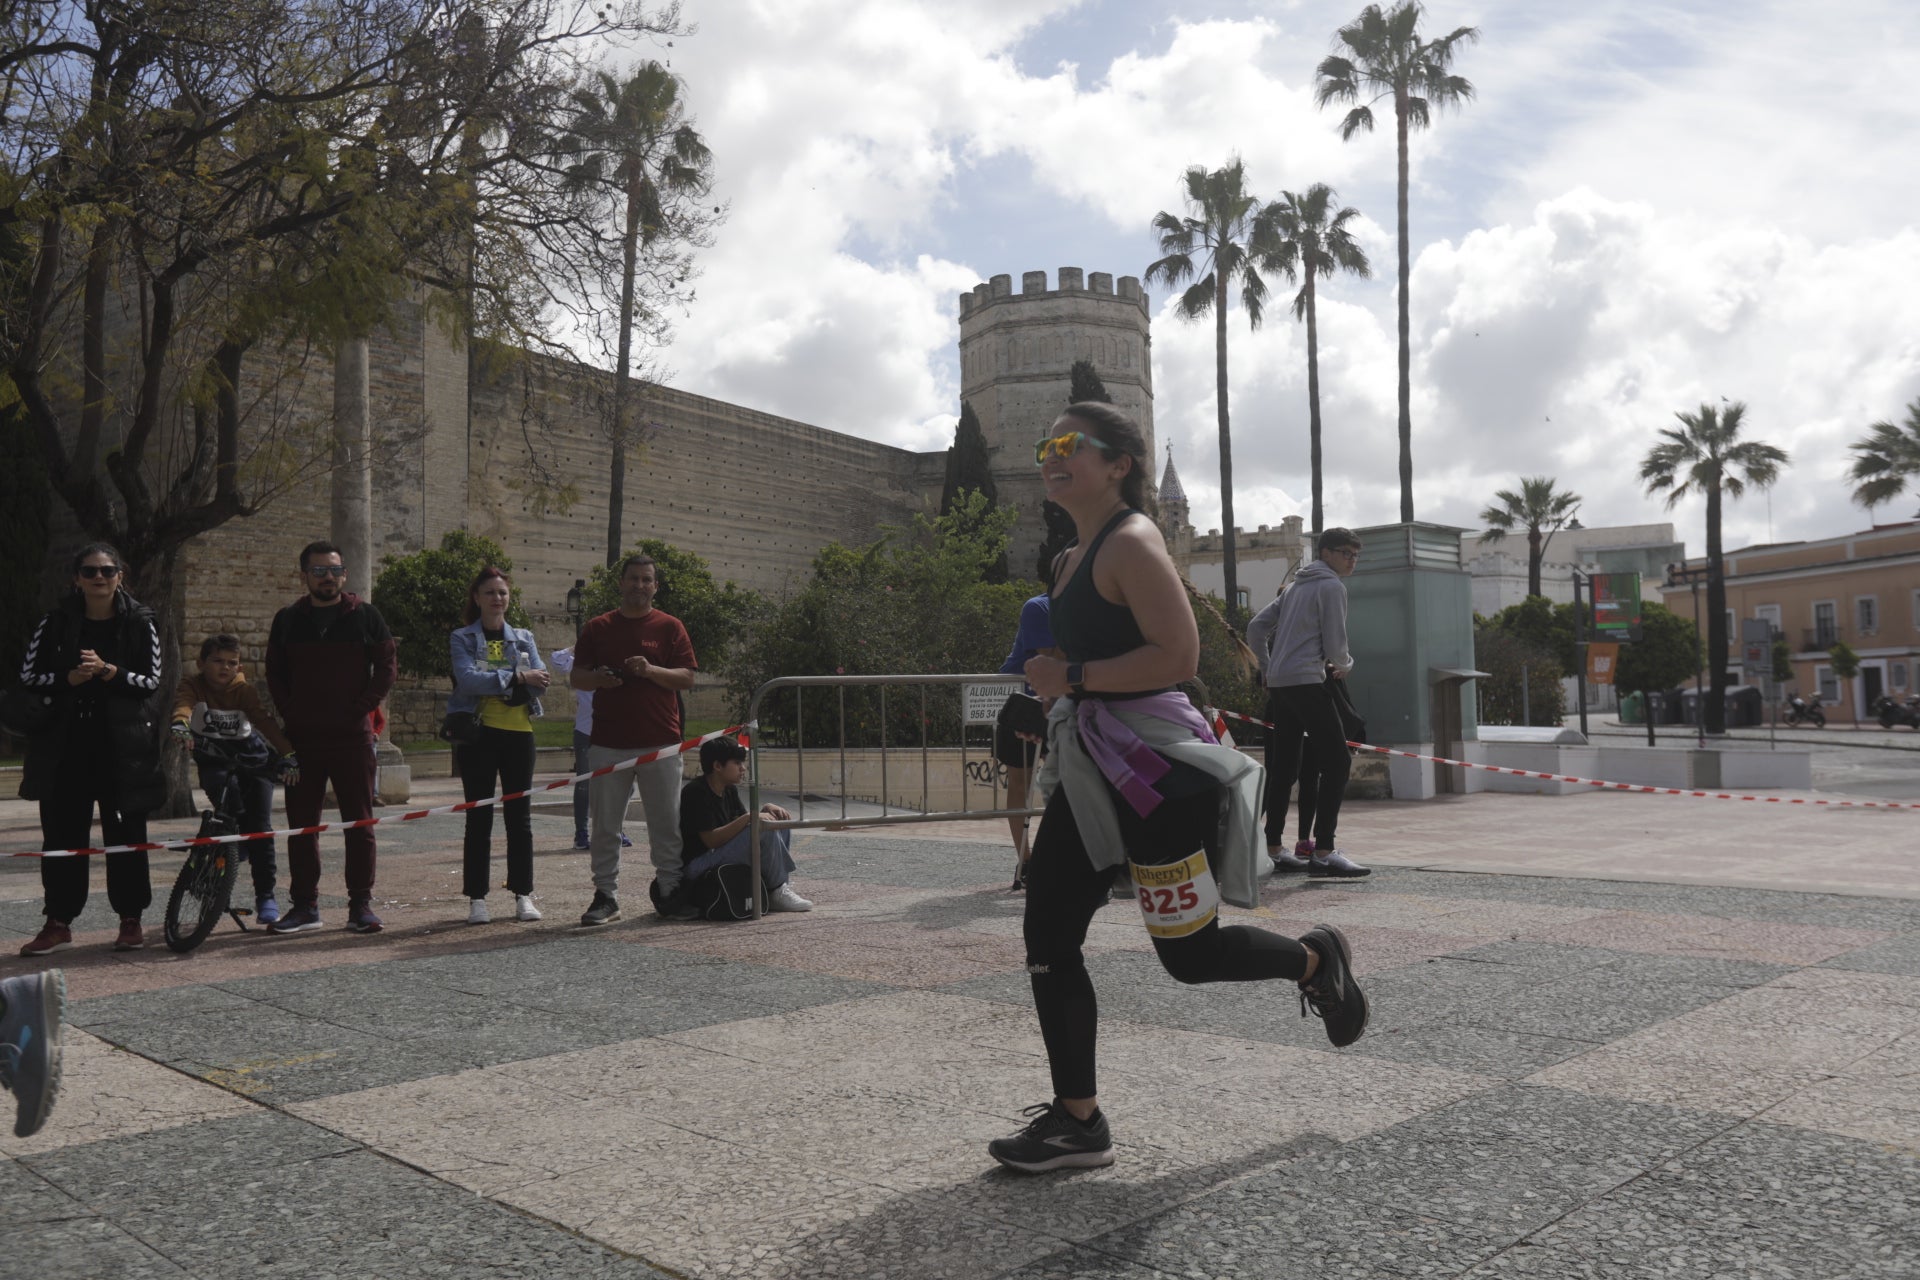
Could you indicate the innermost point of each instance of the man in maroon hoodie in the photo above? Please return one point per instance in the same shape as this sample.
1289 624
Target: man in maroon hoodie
330 661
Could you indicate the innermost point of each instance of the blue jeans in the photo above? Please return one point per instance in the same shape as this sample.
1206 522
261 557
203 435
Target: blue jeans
776 864
581 742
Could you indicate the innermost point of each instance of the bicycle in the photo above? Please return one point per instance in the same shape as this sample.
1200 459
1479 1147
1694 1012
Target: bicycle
203 891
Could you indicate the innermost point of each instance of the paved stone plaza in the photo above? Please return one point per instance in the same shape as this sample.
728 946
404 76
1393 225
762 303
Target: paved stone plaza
1580 1064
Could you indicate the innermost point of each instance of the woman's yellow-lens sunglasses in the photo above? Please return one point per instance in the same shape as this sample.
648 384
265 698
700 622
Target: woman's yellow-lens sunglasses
1065 446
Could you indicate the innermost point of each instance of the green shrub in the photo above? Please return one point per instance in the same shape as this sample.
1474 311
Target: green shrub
423 595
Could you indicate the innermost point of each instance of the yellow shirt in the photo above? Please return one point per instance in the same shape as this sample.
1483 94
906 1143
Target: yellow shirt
494 712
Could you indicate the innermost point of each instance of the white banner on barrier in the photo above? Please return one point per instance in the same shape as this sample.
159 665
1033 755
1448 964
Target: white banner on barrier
982 702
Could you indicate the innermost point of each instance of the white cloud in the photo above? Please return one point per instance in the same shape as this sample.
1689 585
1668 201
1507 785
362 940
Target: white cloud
1646 208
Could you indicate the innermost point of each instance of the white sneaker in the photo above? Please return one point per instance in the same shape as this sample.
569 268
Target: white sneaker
477 911
785 899
1335 865
523 908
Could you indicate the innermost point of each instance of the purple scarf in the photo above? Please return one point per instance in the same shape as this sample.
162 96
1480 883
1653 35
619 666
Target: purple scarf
1128 763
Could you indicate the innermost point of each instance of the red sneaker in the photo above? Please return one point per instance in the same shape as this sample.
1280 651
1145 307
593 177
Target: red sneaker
131 937
53 937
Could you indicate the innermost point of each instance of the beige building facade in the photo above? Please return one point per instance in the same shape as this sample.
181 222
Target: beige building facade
1264 559
1861 588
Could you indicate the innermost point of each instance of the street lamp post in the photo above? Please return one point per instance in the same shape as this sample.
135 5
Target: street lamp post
576 605
1683 575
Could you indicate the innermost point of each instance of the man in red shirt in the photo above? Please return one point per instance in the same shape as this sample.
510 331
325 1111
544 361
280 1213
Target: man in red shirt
636 660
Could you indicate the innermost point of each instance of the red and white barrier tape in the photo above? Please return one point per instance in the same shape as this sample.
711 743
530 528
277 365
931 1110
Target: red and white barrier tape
690 744
1610 786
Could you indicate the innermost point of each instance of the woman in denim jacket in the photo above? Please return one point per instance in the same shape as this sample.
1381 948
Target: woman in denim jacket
497 675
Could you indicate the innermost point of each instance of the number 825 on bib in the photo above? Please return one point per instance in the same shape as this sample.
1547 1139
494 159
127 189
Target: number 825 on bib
1177 899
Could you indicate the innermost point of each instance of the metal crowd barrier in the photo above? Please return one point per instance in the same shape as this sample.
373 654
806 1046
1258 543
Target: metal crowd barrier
887 815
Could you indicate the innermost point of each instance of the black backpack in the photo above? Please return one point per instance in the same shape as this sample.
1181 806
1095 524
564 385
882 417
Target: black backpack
724 893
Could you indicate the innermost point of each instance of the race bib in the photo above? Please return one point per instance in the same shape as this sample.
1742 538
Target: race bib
1176 899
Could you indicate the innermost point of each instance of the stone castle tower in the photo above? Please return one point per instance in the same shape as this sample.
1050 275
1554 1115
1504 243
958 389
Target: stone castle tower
1016 360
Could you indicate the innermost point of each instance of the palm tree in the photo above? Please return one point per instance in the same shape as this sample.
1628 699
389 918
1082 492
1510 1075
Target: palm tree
632 138
1215 242
1885 459
1539 509
1386 58
1707 456
1304 243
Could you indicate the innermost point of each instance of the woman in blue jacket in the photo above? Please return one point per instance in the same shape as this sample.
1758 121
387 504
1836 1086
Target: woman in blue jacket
497 675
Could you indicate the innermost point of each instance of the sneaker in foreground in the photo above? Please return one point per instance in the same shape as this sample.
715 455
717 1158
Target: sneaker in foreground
30 1045
477 911
1336 866
581 840
1299 860
265 910
604 909
1332 995
53 936
1055 1140
299 920
523 908
360 918
785 899
132 937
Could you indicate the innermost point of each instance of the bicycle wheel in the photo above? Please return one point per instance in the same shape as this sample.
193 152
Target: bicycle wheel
200 894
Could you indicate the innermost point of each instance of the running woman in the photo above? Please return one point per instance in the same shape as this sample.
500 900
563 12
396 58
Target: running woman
1136 775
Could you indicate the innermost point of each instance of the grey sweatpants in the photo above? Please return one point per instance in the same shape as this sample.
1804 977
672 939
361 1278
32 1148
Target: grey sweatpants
659 785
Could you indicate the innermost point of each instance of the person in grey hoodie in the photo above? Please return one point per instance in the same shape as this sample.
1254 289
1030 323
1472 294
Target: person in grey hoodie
1307 625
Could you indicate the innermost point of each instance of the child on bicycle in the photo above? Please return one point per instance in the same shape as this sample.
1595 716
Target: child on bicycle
222 686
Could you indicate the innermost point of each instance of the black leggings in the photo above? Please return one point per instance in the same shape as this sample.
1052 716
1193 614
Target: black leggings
1305 718
1063 892
508 755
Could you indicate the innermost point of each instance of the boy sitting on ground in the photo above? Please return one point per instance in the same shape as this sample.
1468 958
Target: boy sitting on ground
715 826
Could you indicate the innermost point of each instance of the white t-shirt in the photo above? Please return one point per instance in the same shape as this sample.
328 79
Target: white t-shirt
561 660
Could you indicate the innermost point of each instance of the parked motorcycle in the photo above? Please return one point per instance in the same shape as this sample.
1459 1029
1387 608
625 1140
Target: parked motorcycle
1893 714
1799 711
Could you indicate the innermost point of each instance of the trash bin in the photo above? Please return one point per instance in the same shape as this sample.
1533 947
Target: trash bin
1633 709
1746 708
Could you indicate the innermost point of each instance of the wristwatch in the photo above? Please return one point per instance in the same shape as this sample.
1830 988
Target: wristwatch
1076 678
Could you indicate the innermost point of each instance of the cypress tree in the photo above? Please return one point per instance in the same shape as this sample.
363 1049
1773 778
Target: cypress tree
1086 384
968 464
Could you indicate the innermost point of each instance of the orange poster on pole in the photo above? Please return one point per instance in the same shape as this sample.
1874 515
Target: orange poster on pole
1603 659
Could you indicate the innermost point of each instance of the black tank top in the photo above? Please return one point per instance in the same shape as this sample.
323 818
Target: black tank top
1086 625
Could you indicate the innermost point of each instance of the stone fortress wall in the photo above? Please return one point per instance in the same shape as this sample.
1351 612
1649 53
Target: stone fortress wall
457 441
756 495
1016 360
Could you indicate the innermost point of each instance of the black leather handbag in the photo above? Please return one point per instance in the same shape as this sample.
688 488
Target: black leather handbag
1352 723
460 727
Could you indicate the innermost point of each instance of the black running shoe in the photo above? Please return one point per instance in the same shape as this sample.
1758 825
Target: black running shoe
605 909
1332 995
1055 1140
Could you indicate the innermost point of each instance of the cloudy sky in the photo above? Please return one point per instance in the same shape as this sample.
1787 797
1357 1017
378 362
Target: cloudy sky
1648 206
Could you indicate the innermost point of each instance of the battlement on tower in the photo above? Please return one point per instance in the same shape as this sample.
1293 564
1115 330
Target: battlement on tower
1033 287
1017 352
